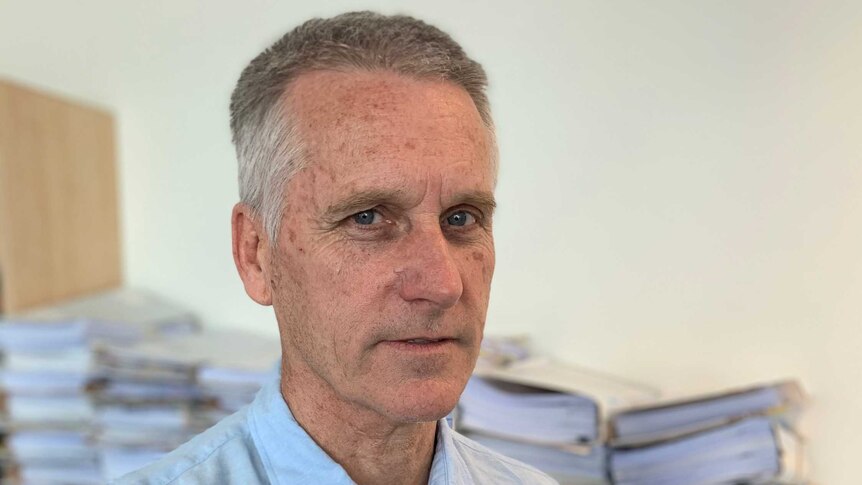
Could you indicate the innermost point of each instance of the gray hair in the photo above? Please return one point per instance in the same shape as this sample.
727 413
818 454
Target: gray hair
267 146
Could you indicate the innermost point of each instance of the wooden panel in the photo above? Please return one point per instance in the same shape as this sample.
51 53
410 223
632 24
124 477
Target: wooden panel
59 233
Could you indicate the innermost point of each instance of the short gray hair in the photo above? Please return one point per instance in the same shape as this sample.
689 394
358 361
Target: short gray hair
267 146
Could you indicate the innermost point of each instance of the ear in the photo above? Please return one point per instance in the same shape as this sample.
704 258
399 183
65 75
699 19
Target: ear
251 253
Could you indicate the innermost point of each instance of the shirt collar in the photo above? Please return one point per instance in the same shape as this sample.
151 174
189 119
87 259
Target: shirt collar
289 454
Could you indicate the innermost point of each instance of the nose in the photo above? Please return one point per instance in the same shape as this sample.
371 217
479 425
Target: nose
429 271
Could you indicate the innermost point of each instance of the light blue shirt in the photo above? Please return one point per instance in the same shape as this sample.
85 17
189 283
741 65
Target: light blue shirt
263 443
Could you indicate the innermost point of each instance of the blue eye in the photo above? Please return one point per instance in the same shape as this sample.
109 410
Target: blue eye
460 218
365 218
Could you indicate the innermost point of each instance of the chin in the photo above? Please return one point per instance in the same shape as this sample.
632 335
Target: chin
424 404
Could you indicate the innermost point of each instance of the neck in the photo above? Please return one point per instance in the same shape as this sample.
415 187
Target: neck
370 448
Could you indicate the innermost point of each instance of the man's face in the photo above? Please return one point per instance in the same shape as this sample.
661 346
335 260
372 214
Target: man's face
381 275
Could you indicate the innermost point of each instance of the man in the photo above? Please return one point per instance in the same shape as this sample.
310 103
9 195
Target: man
367 170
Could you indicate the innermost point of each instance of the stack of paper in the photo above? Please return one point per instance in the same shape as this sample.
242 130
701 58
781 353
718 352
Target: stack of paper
753 450
157 394
48 413
47 378
570 466
610 392
145 402
547 414
740 436
527 413
131 436
54 455
667 420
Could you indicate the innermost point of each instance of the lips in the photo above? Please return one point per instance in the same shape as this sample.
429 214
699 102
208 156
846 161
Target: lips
424 340
427 349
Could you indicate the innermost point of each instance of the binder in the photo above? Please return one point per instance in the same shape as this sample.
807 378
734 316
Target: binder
783 400
609 393
756 449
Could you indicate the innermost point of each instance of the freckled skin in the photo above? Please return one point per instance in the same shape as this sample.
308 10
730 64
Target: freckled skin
336 297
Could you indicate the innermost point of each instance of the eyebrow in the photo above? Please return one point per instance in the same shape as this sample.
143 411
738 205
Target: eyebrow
363 200
480 199
367 199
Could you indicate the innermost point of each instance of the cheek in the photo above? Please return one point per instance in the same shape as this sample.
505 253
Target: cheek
342 271
343 285
481 268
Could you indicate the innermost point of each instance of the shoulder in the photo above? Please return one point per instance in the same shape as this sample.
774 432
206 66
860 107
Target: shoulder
487 466
225 450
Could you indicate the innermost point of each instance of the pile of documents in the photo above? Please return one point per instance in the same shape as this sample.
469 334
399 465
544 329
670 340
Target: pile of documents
47 379
743 436
585 427
158 393
570 466
99 387
529 414
544 413
47 412
144 405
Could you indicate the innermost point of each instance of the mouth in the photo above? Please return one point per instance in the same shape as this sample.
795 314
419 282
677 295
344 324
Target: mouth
420 344
423 341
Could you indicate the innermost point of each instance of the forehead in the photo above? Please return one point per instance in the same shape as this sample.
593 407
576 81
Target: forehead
359 125
357 99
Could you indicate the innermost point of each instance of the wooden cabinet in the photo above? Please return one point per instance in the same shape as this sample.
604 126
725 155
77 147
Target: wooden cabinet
59 234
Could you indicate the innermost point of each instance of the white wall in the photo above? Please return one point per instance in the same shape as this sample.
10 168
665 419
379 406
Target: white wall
681 190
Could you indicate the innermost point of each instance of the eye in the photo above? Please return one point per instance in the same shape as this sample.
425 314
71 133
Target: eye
460 218
367 218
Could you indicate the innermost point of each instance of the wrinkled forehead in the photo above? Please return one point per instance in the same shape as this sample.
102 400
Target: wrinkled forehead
333 93
357 112
379 132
